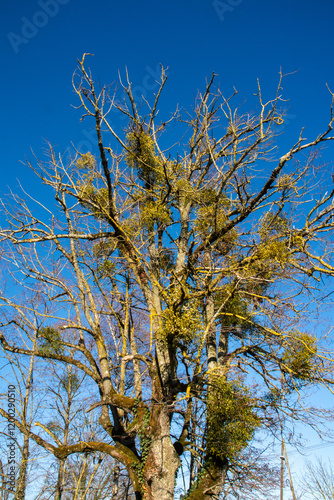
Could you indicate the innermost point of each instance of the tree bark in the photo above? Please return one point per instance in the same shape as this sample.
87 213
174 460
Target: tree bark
162 462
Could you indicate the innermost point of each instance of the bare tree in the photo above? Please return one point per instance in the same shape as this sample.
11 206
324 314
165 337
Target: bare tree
175 275
318 480
20 377
88 476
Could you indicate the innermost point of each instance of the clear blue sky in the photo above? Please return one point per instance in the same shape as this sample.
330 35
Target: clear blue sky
240 40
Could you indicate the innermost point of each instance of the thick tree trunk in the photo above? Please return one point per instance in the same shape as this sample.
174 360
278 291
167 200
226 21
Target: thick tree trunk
211 481
162 462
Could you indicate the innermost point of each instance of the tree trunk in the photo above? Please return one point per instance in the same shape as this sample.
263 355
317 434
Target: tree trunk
83 479
162 462
210 482
3 495
60 481
115 481
21 481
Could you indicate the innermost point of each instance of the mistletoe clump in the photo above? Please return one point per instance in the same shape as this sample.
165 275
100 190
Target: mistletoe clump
231 418
300 355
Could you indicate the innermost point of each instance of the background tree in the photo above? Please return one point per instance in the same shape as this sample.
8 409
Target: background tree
58 406
20 373
89 476
318 480
175 277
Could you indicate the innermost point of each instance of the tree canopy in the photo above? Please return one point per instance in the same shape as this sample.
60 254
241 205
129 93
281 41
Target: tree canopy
175 274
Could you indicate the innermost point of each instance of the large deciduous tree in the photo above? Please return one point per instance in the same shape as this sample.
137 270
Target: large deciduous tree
174 271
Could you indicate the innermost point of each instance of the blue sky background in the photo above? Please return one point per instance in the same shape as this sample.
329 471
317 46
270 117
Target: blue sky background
240 40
